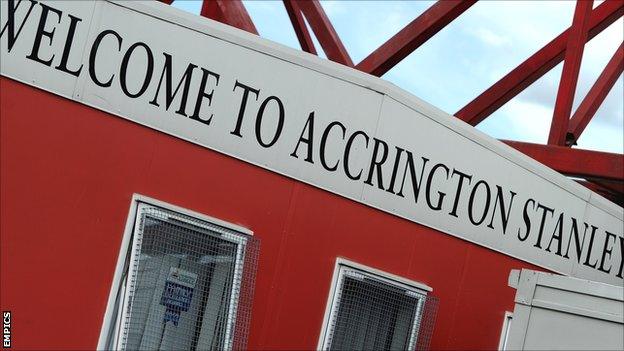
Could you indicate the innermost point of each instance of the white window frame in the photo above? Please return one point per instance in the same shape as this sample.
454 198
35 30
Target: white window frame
505 330
345 267
116 310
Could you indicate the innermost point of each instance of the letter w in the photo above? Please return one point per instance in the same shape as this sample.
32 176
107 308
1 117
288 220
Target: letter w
10 24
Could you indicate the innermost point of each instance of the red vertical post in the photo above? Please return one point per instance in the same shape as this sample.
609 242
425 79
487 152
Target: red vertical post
569 76
596 95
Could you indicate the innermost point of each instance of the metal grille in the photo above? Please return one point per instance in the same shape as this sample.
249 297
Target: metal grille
190 284
372 313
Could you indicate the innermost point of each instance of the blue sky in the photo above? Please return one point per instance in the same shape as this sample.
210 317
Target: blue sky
468 56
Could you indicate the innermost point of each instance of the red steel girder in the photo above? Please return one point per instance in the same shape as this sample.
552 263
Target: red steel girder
298 22
613 186
569 76
535 66
230 12
613 196
603 171
596 95
575 162
412 36
325 32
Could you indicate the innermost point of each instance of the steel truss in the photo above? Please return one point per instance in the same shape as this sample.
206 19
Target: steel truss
601 172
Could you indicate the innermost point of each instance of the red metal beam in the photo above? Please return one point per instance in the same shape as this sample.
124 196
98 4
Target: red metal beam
412 36
230 12
613 186
325 32
298 22
615 197
535 66
575 162
569 75
592 186
168 2
603 169
596 95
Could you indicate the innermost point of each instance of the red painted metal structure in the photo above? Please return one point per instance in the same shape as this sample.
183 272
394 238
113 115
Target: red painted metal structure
569 77
596 95
602 172
412 36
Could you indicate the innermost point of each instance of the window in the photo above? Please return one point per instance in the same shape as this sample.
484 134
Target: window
186 283
373 310
505 331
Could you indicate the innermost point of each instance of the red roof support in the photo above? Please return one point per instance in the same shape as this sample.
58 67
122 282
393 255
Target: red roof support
325 32
614 196
535 66
412 36
298 22
596 95
613 186
603 171
569 76
575 162
230 12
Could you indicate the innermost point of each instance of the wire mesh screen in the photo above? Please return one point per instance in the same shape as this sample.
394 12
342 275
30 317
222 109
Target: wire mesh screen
427 322
190 284
246 295
373 314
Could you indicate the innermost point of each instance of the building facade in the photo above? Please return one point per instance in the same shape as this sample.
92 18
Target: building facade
170 182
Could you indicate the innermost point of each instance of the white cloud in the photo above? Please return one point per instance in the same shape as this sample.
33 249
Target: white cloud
489 37
520 120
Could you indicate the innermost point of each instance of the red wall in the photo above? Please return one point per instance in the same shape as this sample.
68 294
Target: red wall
67 177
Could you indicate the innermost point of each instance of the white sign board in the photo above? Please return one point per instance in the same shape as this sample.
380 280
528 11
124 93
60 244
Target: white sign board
311 120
